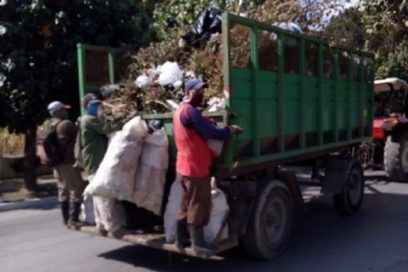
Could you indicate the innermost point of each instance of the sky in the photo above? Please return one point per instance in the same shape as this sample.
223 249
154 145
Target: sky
346 4
350 3
326 19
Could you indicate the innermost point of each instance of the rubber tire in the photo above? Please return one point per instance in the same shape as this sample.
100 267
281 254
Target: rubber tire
393 164
255 241
343 202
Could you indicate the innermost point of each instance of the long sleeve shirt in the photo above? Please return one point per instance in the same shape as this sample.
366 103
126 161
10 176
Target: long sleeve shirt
203 125
66 132
94 140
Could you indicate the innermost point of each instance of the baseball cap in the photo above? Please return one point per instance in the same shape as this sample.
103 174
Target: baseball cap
194 84
55 106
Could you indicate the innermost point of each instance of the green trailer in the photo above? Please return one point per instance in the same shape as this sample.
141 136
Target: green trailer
300 101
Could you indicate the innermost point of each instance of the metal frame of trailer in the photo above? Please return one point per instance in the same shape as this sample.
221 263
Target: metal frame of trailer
298 99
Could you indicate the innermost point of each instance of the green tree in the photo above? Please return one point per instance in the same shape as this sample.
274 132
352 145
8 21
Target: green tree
386 26
346 29
38 54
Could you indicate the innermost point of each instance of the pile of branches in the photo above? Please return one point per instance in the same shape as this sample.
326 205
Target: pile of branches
205 62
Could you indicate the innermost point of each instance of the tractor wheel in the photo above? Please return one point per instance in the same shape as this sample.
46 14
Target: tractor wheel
271 222
349 200
396 158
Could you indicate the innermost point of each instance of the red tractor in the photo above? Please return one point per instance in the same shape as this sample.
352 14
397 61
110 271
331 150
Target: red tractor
389 148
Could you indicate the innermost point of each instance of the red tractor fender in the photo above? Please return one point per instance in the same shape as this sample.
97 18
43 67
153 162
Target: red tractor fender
378 132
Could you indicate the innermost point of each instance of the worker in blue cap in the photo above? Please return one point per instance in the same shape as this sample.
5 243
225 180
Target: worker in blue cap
194 158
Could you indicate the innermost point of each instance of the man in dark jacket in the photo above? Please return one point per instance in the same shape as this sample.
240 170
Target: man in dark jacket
70 182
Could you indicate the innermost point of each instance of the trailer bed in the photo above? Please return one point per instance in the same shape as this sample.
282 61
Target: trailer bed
157 241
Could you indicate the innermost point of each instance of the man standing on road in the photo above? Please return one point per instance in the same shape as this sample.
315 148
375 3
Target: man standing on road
194 158
70 183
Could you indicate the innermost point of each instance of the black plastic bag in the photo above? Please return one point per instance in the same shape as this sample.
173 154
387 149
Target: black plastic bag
209 22
154 125
106 91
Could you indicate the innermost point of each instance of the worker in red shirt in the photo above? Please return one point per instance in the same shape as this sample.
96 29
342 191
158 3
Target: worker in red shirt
194 158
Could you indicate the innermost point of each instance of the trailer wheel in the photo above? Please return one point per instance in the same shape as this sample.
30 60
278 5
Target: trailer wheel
349 200
396 158
270 225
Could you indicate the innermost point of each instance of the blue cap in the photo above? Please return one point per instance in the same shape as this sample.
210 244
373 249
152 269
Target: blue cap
193 84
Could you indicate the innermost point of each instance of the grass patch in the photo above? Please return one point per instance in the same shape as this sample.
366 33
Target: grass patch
10 143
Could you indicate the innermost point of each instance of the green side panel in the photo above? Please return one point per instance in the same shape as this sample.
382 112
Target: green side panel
311 104
267 103
241 105
354 91
291 105
342 104
328 106
368 104
355 106
291 113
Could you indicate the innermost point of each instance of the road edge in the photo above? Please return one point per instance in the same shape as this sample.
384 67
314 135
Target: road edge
35 203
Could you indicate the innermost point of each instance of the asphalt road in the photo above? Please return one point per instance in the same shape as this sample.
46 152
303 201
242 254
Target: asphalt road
374 240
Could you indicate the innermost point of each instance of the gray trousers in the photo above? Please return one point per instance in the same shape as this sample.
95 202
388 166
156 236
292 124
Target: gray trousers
70 183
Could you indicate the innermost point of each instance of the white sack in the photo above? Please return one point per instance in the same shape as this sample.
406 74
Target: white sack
219 212
109 214
115 175
216 104
151 172
170 73
218 215
87 210
143 81
172 207
153 72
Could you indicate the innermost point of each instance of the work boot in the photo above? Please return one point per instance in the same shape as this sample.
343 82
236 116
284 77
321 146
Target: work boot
101 231
197 240
65 212
119 233
75 215
182 239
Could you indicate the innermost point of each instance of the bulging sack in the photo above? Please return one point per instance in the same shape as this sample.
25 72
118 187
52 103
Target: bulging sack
219 212
151 173
172 207
115 175
109 214
170 73
87 210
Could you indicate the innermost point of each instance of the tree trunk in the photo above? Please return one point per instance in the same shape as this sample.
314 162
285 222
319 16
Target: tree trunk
30 160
